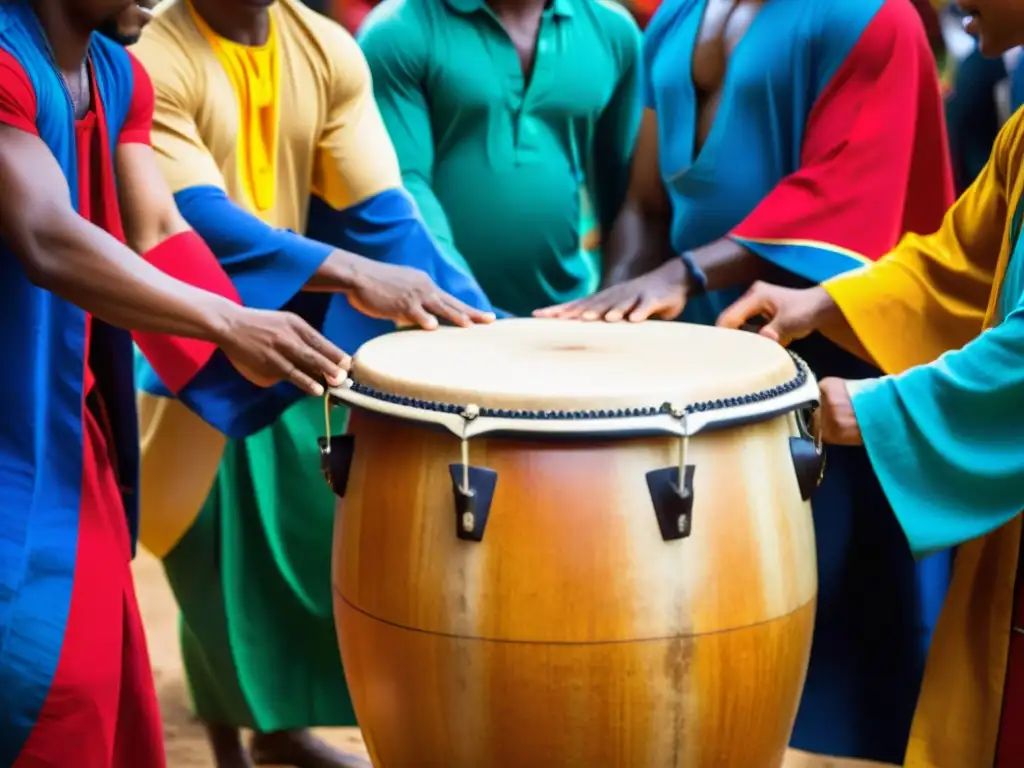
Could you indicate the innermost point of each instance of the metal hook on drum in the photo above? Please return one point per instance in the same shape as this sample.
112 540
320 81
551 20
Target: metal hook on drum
473 489
671 488
808 455
335 453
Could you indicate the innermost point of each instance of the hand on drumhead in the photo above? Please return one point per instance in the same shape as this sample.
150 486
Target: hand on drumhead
660 294
835 416
268 347
791 313
409 297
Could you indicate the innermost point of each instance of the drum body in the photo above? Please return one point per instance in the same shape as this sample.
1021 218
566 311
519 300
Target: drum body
575 631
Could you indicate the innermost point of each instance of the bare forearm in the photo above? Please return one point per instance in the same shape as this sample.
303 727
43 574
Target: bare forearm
83 264
639 242
726 264
337 274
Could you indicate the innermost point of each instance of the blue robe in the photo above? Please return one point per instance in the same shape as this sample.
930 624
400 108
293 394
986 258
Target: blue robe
826 146
56 532
269 266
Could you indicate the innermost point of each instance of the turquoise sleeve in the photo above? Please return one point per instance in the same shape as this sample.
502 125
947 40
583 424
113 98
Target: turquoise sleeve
947 439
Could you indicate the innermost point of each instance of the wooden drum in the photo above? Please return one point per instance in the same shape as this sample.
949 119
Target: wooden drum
520 579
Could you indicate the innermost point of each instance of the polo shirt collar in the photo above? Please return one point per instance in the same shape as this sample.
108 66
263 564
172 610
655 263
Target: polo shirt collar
562 8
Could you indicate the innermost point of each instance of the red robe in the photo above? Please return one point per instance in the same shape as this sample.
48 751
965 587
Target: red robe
76 687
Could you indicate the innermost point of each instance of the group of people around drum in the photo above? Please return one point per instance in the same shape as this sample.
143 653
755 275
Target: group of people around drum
254 193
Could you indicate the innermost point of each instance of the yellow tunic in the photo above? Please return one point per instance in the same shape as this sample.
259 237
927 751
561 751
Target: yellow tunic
940 292
271 126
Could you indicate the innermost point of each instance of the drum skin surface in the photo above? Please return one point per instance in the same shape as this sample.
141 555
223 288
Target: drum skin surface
573 634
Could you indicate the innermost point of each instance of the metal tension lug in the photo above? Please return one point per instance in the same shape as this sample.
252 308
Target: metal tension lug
472 504
336 461
673 505
809 463
808 456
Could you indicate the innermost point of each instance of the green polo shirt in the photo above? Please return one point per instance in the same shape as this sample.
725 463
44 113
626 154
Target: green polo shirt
504 169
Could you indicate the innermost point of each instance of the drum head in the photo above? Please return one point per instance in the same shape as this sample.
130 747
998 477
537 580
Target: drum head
557 365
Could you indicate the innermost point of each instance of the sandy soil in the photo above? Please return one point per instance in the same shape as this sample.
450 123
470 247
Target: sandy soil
186 746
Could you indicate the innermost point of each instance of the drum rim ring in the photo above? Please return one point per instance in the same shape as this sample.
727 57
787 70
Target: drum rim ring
768 394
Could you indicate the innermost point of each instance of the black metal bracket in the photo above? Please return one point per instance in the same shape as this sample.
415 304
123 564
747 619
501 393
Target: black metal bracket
336 461
673 504
472 505
808 458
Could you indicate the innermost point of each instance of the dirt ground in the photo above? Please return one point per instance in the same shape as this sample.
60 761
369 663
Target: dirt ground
186 746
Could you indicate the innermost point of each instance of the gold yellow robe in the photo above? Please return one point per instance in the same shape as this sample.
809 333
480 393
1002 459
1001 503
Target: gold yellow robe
276 155
930 300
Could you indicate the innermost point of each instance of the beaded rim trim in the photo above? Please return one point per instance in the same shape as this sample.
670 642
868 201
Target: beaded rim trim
764 395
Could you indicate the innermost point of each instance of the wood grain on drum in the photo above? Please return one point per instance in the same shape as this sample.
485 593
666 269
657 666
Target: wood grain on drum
573 635
723 700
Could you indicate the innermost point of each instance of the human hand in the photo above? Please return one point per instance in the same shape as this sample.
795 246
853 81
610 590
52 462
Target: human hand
407 296
660 294
792 313
267 347
835 417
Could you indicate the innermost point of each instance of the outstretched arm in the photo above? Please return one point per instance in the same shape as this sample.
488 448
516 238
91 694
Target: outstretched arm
270 266
359 200
926 297
65 254
931 293
62 252
840 208
944 438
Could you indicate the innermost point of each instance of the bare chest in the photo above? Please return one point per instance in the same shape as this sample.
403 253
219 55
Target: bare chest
78 86
724 24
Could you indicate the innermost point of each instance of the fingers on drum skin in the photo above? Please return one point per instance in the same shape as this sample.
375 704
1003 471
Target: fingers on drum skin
564 311
334 354
280 364
447 308
418 315
592 308
601 305
748 306
648 307
317 366
296 363
306 348
334 362
306 384
770 332
471 314
619 312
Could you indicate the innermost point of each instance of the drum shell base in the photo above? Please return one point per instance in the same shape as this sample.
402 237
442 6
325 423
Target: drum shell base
725 700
